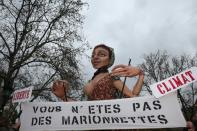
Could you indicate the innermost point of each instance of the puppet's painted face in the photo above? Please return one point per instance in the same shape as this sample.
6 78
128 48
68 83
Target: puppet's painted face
100 57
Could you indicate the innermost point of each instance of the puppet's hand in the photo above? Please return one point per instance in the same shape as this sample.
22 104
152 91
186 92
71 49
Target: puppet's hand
124 70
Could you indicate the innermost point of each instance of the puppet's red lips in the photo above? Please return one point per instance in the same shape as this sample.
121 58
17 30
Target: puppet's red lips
96 62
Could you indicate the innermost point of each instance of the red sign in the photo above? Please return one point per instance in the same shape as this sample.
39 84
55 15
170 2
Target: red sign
22 95
174 83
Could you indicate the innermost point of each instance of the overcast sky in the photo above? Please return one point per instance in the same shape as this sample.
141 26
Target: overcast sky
137 27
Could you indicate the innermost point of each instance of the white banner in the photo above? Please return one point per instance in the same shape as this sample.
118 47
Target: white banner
174 83
129 113
22 95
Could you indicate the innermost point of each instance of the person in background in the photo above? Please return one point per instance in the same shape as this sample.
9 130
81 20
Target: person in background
60 89
6 126
104 85
192 125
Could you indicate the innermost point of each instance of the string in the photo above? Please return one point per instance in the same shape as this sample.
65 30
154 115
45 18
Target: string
125 78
